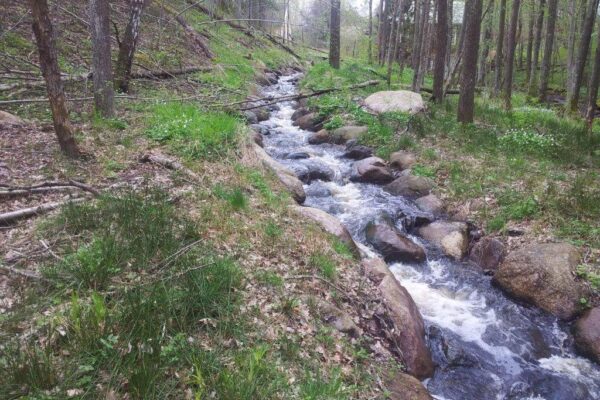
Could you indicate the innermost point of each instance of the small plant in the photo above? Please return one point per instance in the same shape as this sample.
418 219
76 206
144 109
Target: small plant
421 170
324 264
269 278
235 197
334 123
318 387
342 248
272 230
289 305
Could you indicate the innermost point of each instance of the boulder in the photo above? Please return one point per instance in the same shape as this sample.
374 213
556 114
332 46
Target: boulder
346 133
250 117
371 170
409 329
358 152
452 237
286 176
300 113
330 224
262 79
587 334
409 185
402 160
543 275
405 387
263 130
393 245
319 137
311 171
262 114
310 122
395 101
488 253
430 204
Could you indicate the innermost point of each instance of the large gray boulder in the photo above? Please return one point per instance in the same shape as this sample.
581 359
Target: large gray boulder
330 224
430 204
488 253
451 237
409 330
346 133
393 245
402 160
286 176
371 170
409 185
587 334
395 101
543 275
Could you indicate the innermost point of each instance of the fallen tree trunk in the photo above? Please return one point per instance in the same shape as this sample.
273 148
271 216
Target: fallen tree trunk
48 186
11 217
169 164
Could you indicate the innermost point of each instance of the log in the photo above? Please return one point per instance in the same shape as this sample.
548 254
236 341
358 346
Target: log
169 164
9 218
44 187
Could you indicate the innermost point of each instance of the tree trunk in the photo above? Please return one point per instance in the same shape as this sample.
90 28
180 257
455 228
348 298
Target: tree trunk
128 45
472 27
44 36
593 90
486 37
510 55
547 60
572 13
334 35
499 48
394 38
417 35
421 64
441 37
529 51
584 46
537 45
101 62
450 36
370 32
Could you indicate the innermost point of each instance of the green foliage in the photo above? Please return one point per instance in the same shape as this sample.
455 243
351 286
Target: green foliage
192 132
334 123
269 278
342 248
318 387
587 272
422 170
324 264
235 197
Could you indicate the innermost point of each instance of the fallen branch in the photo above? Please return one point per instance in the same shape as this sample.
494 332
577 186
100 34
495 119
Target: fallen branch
169 164
274 100
11 217
44 187
22 272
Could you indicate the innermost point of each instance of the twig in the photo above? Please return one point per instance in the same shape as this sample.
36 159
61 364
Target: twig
53 254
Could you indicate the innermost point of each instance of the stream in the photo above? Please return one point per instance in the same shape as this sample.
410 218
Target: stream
485 346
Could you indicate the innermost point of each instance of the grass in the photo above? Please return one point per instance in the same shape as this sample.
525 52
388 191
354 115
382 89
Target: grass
192 132
324 265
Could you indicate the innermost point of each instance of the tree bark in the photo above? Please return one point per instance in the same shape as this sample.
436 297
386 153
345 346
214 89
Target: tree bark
537 45
499 48
370 32
593 89
547 60
101 62
584 46
44 36
572 11
441 37
394 38
510 55
128 46
334 35
472 27
529 51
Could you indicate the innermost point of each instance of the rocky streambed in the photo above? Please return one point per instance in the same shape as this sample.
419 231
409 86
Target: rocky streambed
479 336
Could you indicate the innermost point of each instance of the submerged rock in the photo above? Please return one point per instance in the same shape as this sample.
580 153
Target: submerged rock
410 186
543 275
488 253
395 101
358 152
393 245
297 156
409 329
371 170
250 117
452 237
330 224
402 160
319 137
300 112
587 334
312 171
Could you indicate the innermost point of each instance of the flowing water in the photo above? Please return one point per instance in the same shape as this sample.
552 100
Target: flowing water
485 346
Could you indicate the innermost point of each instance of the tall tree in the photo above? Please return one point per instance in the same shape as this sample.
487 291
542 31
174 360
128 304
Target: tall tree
393 40
572 14
441 38
548 47
537 44
529 51
128 45
334 35
592 105
101 61
44 37
421 51
584 46
510 55
472 28
370 31
500 47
